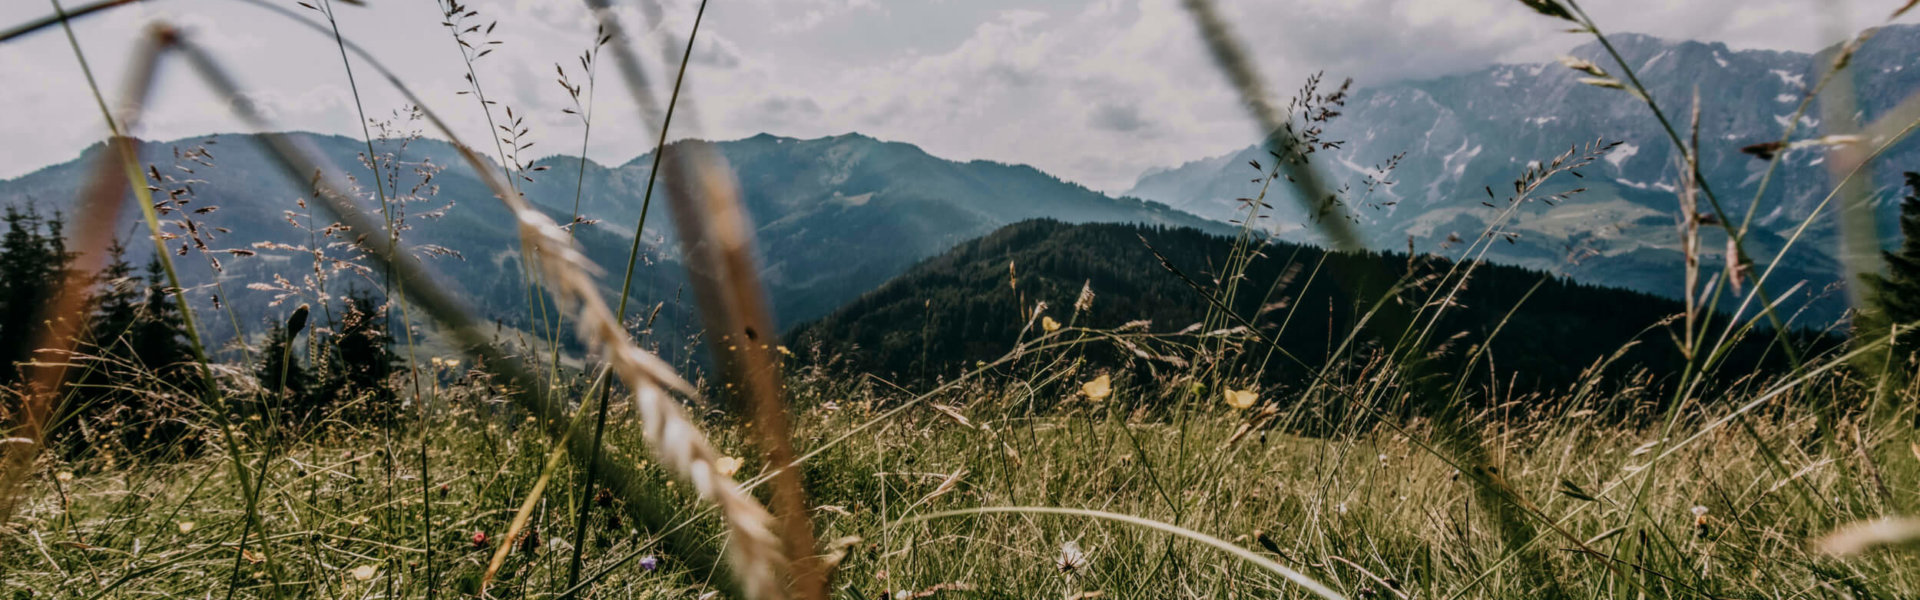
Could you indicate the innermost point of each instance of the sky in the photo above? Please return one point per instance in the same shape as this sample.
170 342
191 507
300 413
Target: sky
1093 91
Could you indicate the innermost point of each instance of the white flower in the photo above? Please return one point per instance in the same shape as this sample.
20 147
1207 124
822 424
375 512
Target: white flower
1071 558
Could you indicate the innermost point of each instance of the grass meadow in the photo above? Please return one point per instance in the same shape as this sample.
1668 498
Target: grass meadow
511 471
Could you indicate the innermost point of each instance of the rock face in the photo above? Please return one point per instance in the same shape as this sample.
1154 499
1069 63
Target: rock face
1466 133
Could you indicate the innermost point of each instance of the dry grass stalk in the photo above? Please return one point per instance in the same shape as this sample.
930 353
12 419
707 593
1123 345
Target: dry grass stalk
679 444
715 234
676 440
99 206
714 231
1275 125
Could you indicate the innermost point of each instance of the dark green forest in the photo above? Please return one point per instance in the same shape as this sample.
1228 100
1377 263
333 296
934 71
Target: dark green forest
966 306
135 388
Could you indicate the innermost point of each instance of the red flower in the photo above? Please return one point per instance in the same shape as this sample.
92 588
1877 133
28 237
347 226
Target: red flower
479 539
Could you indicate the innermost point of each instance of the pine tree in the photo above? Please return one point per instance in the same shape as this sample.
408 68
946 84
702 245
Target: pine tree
360 359
142 383
1897 293
117 303
103 397
159 335
33 259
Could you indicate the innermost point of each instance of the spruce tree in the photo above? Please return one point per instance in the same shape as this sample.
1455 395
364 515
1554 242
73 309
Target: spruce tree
116 305
158 343
32 261
1897 293
142 383
104 393
360 359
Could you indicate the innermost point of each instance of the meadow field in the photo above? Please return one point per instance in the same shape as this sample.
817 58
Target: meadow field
1279 422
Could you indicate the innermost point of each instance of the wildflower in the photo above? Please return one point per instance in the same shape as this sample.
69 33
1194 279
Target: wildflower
479 539
64 476
1241 399
185 526
1048 324
363 572
1098 389
727 465
1071 558
650 563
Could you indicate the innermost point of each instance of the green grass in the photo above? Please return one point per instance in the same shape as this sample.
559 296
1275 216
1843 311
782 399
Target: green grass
1359 511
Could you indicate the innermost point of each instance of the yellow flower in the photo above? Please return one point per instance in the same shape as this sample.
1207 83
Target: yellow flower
1098 389
727 465
1241 399
1049 324
363 572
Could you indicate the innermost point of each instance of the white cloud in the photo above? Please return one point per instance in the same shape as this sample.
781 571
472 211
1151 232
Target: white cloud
1095 91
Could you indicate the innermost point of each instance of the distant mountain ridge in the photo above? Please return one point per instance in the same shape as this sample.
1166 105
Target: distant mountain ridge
835 216
1468 132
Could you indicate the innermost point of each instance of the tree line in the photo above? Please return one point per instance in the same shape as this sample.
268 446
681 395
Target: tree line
135 387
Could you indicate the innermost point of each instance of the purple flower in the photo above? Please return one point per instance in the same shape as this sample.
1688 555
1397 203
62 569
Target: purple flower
649 563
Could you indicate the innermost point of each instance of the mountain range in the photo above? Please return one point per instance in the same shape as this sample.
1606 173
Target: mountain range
835 216
839 216
1461 135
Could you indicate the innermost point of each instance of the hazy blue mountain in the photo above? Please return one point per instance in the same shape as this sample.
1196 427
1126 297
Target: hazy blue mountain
1465 133
836 216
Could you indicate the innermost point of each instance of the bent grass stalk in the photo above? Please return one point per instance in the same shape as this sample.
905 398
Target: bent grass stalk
676 440
1296 577
716 237
626 280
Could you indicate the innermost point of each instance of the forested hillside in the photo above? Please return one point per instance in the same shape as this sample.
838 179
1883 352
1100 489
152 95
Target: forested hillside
972 304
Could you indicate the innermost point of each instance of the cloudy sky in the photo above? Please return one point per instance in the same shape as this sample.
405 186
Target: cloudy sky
1095 91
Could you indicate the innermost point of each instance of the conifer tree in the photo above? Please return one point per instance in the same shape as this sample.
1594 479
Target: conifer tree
360 358
33 259
1897 293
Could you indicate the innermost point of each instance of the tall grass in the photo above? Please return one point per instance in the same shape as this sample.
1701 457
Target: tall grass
1381 478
